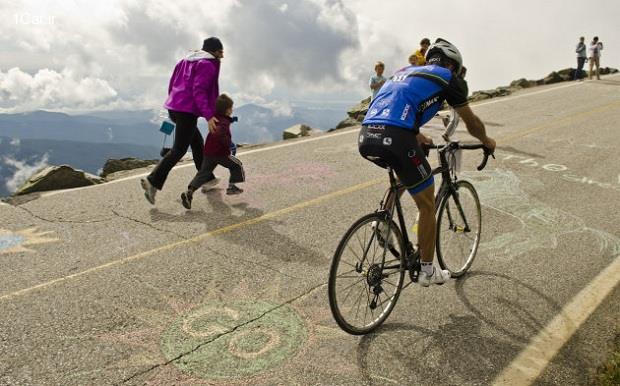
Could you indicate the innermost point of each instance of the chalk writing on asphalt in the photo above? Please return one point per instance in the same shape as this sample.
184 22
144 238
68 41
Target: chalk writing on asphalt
540 225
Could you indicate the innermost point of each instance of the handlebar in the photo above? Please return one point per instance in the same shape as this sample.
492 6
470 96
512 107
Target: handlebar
487 152
476 146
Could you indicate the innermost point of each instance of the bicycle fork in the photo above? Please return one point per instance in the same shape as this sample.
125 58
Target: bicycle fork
453 226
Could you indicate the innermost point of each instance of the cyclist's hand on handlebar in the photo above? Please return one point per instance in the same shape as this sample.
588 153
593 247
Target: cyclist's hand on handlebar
490 144
423 139
489 148
425 143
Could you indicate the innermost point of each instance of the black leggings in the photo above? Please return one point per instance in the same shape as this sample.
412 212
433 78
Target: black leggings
205 174
187 134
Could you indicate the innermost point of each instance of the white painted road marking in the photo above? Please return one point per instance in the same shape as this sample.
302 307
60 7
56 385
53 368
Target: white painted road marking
266 148
532 361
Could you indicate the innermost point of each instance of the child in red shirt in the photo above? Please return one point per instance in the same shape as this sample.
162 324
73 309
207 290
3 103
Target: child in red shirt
217 152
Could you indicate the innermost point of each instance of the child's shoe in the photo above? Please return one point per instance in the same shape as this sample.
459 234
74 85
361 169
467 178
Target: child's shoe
233 189
186 199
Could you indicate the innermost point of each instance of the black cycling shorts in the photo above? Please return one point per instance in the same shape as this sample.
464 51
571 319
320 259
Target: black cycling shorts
397 147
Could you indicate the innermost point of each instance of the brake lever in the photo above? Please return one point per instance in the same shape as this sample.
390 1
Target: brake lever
487 153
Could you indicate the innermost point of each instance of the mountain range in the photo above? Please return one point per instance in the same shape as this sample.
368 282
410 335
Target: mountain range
34 139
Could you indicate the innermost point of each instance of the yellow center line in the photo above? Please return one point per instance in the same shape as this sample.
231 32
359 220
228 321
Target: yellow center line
275 213
200 237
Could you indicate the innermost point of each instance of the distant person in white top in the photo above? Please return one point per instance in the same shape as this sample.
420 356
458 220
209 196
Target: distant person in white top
376 81
595 56
581 58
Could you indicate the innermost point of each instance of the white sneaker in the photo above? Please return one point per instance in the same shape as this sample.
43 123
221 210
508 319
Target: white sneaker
439 277
149 190
210 185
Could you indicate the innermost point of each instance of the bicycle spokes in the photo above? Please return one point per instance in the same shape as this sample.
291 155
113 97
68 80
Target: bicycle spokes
366 277
458 228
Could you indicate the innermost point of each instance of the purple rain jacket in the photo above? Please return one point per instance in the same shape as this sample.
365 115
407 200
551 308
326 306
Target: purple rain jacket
194 86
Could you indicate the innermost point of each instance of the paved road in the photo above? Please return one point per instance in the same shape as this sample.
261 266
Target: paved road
98 287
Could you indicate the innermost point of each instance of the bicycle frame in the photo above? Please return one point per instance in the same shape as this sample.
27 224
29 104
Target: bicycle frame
447 187
393 190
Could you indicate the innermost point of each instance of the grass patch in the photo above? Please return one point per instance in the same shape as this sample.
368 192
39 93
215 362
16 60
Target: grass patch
609 373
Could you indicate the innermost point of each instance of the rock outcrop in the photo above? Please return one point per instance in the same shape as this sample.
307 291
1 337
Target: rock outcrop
358 112
117 165
300 130
55 178
356 115
347 123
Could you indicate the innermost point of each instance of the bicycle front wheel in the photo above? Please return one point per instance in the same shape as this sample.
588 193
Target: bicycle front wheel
459 222
367 274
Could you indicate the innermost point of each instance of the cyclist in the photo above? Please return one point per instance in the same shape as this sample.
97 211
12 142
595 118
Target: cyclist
391 135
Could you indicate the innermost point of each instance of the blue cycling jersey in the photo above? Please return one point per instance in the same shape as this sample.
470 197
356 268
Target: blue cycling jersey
413 95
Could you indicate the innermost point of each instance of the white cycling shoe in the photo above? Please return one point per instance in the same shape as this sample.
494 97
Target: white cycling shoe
438 277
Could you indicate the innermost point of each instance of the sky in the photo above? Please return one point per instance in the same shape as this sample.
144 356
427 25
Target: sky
78 55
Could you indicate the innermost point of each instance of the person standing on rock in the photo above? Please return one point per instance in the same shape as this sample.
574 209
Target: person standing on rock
581 58
192 92
595 56
377 80
417 58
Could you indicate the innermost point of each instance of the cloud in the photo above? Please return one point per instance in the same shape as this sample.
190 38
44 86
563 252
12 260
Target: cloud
274 49
153 29
23 171
120 54
48 88
301 46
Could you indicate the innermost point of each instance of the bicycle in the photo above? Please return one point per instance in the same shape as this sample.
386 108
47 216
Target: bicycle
382 275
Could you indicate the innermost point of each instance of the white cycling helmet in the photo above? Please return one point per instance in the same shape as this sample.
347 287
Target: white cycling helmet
448 50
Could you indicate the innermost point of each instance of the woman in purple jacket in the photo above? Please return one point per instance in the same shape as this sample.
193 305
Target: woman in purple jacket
192 92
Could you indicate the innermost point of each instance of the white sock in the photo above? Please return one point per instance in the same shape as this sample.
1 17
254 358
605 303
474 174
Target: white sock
428 268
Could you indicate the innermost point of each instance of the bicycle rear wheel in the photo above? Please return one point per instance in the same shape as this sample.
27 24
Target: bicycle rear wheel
366 274
459 222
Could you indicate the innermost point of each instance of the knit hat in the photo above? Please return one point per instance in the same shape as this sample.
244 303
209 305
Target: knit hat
212 44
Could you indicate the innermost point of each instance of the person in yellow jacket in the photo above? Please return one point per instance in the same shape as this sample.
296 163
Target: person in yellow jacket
417 58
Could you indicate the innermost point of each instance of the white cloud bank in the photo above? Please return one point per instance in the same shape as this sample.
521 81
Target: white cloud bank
52 90
120 53
23 171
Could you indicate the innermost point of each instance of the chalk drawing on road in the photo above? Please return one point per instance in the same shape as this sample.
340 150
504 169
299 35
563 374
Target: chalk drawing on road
541 226
574 142
536 161
233 340
19 241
